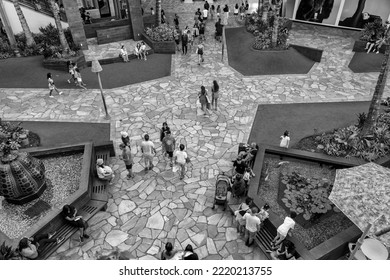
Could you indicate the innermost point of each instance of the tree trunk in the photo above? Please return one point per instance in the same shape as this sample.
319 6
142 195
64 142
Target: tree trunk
260 7
373 111
358 12
264 16
55 11
275 31
158 12
27 32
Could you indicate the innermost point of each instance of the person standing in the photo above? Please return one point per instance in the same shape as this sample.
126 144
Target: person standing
163 131
125 138
206 6
184 42
252 226
147 148
236 10
214 95
202 30
168 145
52 85
176 20
212 12
218 30
205 14
242 11
123 53
219 11
285 139
127 159
168 253
177 38
181 159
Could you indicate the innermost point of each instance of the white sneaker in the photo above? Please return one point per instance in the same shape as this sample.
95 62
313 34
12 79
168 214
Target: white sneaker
51 96
60 93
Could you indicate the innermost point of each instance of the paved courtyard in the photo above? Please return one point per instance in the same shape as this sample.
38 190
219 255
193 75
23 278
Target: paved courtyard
153 208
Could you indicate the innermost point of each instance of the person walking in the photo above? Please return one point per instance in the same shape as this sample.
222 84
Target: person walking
176 20
200 51
219 11
168 146
204 100
181 158
79 82
163 131
177 38
71 66
285 139
212 12
148 150
127 159
214 95
124 54
202 30
52 85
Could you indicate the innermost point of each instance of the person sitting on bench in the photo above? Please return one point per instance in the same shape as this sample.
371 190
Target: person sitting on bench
104 172
69 213
29 248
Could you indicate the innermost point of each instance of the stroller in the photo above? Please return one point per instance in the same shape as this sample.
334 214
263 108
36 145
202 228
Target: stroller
222 187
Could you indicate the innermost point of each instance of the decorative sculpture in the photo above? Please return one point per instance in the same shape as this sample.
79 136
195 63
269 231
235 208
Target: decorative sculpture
22 177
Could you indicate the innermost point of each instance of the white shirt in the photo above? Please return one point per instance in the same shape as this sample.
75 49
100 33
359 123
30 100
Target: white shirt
180 156
285 140
143 48
205 13
286 226
251 222
123 51
147 147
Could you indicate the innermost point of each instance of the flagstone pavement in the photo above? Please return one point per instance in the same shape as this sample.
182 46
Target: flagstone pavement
153 208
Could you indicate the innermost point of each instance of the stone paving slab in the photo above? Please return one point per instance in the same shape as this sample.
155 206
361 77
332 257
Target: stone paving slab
156 207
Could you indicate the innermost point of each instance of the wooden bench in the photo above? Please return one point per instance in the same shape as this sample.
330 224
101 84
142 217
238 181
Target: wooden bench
97 202
65 230
113 34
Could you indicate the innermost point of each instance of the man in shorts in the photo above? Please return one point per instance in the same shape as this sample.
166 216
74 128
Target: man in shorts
147 148
283 229
168 145
252 225
127 159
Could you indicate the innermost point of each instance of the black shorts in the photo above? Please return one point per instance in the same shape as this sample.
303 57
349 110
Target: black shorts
130 166
170 154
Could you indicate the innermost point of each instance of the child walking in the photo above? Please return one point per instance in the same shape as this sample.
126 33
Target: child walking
79 82
52 85
181 158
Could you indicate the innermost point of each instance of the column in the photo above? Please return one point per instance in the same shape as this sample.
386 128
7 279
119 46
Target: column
7 27
75 23
136 19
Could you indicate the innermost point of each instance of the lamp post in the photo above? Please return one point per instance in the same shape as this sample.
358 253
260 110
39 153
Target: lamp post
97 68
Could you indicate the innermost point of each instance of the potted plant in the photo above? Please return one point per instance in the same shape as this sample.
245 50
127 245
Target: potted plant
8 253
161 38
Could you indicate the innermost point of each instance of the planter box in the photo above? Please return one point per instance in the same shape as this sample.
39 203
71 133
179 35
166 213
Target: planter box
359 46
310 53
168 47
60 64
336 246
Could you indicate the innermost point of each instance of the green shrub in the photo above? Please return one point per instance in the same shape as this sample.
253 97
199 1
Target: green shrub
47 44
307 196
372 28
162 33
347 141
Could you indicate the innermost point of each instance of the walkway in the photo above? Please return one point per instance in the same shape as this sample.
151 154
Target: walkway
152 209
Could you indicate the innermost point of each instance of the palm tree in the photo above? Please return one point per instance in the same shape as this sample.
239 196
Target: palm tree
260 7
158 12
373 111
55 10
265 7
27 32
275 31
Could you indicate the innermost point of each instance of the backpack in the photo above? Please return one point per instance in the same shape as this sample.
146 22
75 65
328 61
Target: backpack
184 38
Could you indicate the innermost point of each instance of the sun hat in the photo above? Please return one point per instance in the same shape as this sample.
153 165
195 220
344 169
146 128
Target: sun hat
99 161
124 134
